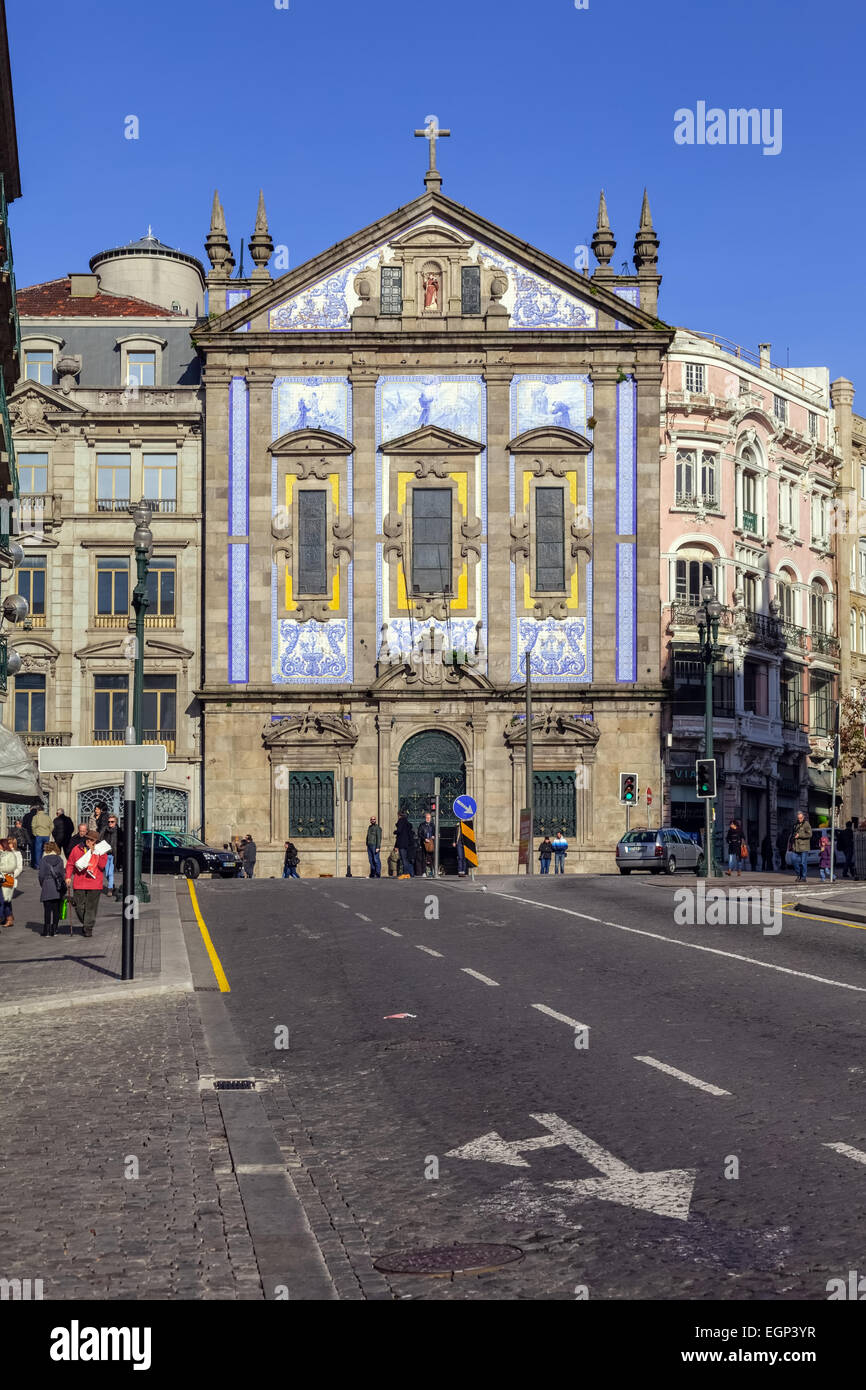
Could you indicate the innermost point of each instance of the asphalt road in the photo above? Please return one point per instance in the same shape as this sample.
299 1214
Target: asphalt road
685 1083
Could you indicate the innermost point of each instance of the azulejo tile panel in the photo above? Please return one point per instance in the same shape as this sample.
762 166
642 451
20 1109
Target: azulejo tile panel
561 647
313 653
239 613
534 302
239 457
313 403
328 303
631 294
408 403
626 609
626 457
234 297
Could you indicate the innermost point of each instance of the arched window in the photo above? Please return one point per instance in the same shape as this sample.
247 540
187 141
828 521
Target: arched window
750 520
818 606
852 634
694 569
862 631
787 596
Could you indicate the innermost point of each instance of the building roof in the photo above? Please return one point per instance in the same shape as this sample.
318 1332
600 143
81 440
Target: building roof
148 245
53 300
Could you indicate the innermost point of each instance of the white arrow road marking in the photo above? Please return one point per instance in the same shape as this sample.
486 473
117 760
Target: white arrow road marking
857 1154
667 1193
684 1076
485 979
563 1018
390 932
430 951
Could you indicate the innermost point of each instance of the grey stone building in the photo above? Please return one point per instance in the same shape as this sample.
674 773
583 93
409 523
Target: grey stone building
428 450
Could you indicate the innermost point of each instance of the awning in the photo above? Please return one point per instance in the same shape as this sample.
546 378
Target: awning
19 779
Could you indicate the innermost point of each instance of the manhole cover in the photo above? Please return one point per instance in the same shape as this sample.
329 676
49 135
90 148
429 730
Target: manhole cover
449 1259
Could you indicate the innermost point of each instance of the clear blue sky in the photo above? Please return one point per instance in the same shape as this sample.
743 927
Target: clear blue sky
547 103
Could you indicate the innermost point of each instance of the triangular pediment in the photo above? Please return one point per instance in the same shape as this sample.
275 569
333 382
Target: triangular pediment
550 441
432 439
31 404
311 442
431 236
320 294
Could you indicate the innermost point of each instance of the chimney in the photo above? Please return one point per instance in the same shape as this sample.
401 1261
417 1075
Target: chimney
764 350
83 286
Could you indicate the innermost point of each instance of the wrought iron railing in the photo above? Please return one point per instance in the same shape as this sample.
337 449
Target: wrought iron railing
112 504
693 500
166 736
825 643
115 620
794 636
109 735
162 504
750 522
160 620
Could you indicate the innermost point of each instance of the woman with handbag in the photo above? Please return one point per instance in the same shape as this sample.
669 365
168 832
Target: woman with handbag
15 849
8 875
52 878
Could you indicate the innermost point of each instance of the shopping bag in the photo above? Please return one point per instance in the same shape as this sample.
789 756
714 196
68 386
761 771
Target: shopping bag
64 908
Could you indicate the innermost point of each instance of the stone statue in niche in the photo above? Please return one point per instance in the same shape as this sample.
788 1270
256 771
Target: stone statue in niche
431 292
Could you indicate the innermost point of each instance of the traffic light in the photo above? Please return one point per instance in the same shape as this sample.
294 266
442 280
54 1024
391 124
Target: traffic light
628 788
705 777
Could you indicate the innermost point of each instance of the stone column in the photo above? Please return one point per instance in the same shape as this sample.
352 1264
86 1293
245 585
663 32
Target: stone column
363 379
497 377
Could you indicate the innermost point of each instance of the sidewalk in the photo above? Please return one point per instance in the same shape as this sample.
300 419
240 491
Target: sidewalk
39 973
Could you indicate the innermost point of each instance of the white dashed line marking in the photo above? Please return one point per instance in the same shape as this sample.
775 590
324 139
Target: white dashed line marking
563 1018
362 917
683 1076
689 945
339 904
430 952
485 979
390 932
857 1154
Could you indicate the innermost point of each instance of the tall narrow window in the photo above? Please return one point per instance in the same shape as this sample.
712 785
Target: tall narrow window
312 541
821 702
110 708
691 576
161 584
549 539
694 377
159 709
818 608
31 585
780 408
863 631
30 704
750 592
470 287
787 600
160 481
391 289
112 586
140 368
709 492
112 482
685 476
431 540
861 559
33 474
813 425
852 630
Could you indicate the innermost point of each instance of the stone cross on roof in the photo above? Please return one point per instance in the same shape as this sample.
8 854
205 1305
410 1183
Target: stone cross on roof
432 179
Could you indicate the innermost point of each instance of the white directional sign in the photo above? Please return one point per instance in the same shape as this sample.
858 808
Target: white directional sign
667 1193
102 757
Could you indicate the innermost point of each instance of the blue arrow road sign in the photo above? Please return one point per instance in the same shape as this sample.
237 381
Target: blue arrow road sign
464 807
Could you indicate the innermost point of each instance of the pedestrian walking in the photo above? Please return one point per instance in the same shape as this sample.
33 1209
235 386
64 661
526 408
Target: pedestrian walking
545 854
85 869
97 821
8 879
460 850
801 843
767 855
290 861
374 844
25 838
249 856
78 838
62 831
560 850
52 879
394 863
403 837
824 857
735 841
427 843
113 837
845 841
41 828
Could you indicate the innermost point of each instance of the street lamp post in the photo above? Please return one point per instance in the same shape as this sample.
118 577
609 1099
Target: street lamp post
143 542
708 632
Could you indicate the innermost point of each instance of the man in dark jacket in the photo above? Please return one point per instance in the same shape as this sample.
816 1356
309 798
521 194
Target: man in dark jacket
403 837
63 828
78 839
426 836
26 826
845 841
249 856
374 843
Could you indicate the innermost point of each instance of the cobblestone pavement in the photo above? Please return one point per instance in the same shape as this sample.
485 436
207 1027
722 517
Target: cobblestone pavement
90 1098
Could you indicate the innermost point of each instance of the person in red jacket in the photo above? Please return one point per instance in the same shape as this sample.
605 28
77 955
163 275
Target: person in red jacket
84 870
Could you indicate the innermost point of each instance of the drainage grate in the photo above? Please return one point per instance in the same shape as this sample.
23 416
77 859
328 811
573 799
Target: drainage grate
234 1085
446 1260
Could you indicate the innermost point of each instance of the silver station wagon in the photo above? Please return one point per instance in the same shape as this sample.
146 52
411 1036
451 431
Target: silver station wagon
658 851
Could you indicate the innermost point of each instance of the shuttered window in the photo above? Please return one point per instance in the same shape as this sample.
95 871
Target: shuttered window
549 539
312 523
391 289
431 540
470 285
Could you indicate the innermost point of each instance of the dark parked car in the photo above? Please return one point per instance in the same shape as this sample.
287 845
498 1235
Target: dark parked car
659 851
175 852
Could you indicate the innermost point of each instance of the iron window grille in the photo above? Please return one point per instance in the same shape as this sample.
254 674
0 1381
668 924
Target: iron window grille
311 805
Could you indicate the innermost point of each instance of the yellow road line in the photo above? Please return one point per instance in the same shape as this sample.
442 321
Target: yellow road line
225 987
832 921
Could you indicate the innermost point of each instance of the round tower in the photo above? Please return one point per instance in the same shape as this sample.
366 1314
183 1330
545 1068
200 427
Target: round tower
148 269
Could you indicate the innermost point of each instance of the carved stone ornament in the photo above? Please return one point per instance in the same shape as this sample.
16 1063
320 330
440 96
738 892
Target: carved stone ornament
553 728
432 467
392 529
68 368
343 532
581 540
519 537
315 608
309 728
28 411
549 608
470 535
557 467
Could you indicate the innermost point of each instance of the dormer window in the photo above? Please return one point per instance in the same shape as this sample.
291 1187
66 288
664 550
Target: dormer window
141 360
39 366
141 368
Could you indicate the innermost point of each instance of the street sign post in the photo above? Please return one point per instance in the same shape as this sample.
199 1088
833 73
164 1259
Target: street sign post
525 831
465 807
470 848
437 788
98 757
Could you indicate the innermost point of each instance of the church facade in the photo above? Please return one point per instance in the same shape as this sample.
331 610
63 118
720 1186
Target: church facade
428 451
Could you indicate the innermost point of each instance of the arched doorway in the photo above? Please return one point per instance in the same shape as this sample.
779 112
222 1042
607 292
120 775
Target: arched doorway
425 756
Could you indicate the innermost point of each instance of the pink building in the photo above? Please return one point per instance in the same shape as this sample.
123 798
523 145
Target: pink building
748 460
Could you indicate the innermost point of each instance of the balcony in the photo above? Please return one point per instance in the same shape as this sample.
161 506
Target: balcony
160 620
113 504
692 501
750 522
109 736
112 620
116 736
161 504
765 631
684 613
794 636
35 739
825 643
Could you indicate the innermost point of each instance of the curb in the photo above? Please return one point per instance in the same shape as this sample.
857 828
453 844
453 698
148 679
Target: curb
819 910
